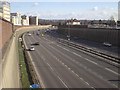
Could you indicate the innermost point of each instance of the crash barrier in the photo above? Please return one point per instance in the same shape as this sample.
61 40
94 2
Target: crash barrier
30 65
31 69
115 60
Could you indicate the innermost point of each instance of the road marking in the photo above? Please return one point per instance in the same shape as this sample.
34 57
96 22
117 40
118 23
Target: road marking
62 82
50 66
76 54
112 71
68 68
87 83
90 61
63 48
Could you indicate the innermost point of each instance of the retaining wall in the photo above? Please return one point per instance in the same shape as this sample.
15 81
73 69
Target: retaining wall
6 30
93 34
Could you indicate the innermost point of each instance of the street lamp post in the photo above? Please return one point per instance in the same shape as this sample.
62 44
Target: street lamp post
68 36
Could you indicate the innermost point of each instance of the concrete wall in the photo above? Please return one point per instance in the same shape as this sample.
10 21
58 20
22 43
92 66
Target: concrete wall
93 34
5 32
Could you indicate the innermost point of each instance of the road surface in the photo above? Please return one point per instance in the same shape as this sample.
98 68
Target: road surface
60 66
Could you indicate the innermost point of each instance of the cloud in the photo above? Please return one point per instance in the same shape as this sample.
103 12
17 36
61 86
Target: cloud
94 13
36 4
95 8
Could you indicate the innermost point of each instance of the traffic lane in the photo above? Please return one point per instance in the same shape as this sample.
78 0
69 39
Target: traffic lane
103 72
111 76
100 61
93 58
98 46
107 66
63 58
49 79
75 69
103 62
69 78
85 60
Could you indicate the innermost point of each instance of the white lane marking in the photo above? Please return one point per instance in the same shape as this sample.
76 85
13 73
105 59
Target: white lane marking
87 83
63 82
63 48
90 61
76 54
50 66
112 71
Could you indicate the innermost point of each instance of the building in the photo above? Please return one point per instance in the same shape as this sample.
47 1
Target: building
16 18
25 20
73 22
118 22
33 20
119 10
5 10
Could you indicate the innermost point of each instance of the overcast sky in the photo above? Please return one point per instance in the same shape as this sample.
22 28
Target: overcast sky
67 10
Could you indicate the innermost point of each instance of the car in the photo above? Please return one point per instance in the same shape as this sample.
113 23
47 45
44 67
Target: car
42 35
76 38
36 43
37 34
32 48
107 44
29 34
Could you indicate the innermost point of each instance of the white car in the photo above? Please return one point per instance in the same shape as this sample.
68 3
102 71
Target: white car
32 48
29 34
107 44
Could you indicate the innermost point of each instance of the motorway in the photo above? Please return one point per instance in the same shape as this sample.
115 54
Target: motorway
60 66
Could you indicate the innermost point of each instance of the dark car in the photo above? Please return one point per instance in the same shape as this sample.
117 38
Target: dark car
36 43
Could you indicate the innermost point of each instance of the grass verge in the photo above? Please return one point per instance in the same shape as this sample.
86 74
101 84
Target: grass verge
23 69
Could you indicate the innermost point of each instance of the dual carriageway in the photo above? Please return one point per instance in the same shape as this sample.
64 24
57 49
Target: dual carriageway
63 66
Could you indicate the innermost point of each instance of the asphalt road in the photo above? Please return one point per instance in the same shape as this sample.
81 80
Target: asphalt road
60 66
113 50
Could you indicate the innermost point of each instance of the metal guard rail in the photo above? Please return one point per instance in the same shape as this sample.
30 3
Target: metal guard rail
90 50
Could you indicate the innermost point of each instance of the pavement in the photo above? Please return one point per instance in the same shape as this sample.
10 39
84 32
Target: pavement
9 77
60 66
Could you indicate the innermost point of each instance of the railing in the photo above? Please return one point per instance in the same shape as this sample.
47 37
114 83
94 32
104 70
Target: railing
115 60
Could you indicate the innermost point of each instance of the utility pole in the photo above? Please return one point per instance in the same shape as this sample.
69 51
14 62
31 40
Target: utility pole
68 36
